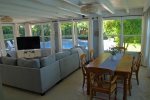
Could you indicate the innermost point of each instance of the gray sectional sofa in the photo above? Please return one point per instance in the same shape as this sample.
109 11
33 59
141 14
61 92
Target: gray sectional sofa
39 74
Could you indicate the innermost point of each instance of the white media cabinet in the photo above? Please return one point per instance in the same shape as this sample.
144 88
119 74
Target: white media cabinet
29 53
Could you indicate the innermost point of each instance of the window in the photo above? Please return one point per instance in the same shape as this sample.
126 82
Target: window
82 33
8 37
132 34
21 30
129 36
112 30
66 29
36 30
42 30
47 30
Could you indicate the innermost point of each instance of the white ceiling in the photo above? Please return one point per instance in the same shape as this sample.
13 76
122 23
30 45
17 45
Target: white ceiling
46 10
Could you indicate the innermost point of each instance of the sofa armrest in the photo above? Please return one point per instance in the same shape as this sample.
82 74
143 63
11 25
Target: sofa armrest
21 77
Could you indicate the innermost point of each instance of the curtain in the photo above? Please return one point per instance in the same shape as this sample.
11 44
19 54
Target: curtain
146 40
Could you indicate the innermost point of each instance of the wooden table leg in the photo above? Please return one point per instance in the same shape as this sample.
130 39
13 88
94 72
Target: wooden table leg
125 88
88 84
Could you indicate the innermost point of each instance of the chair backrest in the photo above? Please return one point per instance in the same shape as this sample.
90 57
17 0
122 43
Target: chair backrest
83 63
138 61
98 79
133 63
91 54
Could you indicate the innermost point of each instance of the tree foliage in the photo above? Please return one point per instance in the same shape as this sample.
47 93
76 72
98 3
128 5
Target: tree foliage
130 27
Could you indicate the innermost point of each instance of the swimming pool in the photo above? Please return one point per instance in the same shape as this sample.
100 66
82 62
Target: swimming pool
66 43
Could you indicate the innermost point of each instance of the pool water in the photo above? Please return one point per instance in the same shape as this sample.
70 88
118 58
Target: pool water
66 43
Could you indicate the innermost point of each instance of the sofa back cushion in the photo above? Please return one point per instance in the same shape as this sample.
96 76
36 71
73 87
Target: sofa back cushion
45 61
45 52
9 60
31 63
79 50
63 54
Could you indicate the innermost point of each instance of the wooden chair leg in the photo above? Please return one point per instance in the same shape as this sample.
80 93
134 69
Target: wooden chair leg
83 82
91 94
137 78
109 96
129 87
116 94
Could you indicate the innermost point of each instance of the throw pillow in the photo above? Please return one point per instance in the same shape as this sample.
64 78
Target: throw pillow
9 60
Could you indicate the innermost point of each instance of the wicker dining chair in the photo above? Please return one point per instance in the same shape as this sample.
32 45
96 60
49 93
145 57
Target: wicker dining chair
100 84
83 64
136 66
120 79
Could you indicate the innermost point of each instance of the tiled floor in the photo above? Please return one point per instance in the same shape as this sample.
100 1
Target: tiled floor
71 89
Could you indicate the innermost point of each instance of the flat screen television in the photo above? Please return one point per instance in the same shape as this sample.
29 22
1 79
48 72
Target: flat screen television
25 43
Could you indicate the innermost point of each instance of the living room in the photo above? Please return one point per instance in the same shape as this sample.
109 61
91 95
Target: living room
65 24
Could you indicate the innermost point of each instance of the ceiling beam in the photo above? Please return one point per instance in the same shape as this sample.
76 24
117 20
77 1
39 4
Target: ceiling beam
125 2
25 11
63 5
146 5
32 4
107 5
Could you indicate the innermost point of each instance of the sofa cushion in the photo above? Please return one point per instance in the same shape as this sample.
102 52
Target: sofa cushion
31 63
63 54
45 61
45 52
79 50
9 60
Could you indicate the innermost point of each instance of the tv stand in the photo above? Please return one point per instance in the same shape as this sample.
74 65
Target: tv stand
29 53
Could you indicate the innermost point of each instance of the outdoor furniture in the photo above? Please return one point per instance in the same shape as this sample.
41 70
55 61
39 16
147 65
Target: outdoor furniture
99 84
119 49
123 68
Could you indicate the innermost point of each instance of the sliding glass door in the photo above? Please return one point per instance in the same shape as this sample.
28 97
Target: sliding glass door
111 33
123 31
132 34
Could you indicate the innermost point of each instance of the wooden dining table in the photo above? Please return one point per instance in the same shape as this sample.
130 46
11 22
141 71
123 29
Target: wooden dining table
122 68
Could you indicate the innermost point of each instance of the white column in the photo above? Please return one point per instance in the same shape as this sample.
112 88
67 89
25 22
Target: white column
74 33
101 43
16 34
28 31
2 43
90 34
59 36
52 38
42 35
121 34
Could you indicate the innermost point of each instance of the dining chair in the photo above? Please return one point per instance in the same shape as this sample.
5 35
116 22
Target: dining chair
100 84
83 64
136 66
120 79
91 55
